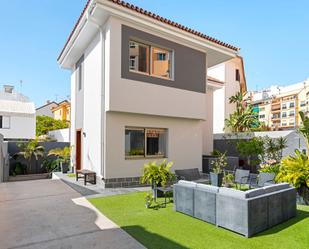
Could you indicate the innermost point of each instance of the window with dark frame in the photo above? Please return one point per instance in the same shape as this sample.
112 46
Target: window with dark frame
5 122
150 60
237 75
145 142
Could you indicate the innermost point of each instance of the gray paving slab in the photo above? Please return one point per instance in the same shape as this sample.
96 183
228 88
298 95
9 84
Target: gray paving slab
41 214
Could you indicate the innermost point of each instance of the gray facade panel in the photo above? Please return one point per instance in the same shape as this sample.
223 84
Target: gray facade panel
189 64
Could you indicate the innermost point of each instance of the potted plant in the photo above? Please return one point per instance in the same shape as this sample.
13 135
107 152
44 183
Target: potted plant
63 157
157 175
228 180
216 177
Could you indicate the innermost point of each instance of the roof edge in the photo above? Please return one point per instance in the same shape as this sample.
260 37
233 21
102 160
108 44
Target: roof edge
153 16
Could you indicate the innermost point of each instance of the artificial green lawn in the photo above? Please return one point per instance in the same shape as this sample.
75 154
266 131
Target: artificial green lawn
165 228
71 175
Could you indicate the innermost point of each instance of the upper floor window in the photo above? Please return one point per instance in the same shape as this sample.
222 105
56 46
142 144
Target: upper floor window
292 104
237 75
80 73
303 103
150 60
5 122
284 106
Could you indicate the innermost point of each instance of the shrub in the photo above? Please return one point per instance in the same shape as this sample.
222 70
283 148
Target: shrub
45 124
157 174
295 170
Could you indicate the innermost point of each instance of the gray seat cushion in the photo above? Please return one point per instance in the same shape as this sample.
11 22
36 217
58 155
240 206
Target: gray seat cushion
254 192
276 187
187 183
232 192
209 188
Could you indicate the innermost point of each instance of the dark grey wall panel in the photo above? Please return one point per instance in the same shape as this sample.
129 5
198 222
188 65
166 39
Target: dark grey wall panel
189 64
36 165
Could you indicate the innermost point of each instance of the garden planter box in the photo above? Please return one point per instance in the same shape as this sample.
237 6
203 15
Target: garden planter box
29 177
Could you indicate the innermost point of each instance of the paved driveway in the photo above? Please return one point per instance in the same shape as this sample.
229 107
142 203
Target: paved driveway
41 214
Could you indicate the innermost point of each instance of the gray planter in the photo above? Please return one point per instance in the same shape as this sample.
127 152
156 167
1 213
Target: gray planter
216 179
303 195
64 167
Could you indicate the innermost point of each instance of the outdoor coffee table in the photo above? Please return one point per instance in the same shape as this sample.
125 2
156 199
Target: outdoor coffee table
88 175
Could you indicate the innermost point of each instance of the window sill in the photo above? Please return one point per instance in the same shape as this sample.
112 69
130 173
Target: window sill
150 75
144 157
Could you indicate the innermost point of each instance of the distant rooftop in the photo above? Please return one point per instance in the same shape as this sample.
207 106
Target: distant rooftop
12 102
276 90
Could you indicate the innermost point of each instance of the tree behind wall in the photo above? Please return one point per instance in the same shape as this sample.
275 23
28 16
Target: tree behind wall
244 118
45 124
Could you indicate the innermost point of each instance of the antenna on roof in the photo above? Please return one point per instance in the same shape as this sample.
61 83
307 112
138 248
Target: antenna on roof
21 85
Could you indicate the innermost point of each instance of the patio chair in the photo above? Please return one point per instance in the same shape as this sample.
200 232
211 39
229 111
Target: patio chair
262 180
193 175
241 177
167 190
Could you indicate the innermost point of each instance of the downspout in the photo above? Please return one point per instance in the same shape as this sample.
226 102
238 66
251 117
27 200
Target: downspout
102 113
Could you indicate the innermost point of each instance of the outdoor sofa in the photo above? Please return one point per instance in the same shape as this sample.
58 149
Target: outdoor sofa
245 212
192 175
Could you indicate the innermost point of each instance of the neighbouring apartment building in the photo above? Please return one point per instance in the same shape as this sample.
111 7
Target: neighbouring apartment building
139 90
17 115
278 107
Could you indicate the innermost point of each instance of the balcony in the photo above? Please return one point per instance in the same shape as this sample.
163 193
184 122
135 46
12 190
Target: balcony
275 109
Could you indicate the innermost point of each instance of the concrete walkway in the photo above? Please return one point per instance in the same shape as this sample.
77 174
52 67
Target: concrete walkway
49 214
97 190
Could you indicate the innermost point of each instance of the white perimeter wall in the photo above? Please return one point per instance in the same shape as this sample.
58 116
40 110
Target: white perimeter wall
21 127
61 135
184 143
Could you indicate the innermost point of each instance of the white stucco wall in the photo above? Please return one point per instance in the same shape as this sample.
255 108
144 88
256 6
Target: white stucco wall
21 127
61 135
222 108
92 118
184 143
73 118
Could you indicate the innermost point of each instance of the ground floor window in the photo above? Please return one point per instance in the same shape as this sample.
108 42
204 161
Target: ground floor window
5 122
145 142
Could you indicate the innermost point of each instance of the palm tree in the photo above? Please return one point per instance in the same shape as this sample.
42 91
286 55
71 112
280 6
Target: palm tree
243 119
29 150
304 129
63 155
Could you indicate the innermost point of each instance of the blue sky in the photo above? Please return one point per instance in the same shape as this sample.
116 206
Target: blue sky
273 37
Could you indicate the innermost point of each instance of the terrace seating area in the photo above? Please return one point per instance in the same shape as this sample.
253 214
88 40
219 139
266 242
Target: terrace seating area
244 212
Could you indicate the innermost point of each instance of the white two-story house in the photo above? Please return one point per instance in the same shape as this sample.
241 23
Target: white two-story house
139 91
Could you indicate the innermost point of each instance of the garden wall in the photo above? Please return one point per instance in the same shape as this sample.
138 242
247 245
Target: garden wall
36 166
227 142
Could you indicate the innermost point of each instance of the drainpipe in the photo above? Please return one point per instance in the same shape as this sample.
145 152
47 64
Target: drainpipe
102 113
